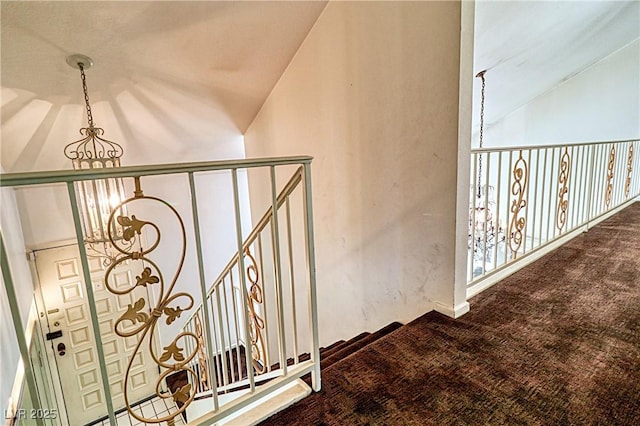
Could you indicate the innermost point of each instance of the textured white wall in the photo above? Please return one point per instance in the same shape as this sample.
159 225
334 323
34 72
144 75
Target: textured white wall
372 94
599 104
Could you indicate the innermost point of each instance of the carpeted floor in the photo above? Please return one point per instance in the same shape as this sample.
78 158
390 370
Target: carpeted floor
558 343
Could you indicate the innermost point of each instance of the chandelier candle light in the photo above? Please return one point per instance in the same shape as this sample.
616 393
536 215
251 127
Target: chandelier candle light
97 198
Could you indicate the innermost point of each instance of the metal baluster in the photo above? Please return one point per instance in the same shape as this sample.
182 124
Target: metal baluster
292 281
498 191
590 195
243 283
535 199
486 216
551 223
264 304
275 237
203 289
544 182
526 211
508 224
217 365
236 326
575 153
226 316
223 349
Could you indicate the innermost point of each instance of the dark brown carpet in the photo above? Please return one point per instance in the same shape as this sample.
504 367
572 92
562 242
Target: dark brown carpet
558 343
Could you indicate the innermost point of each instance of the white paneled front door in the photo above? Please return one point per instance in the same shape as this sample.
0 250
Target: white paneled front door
66 309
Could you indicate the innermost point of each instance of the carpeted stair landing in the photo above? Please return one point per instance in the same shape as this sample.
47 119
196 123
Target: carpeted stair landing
343 349
558 343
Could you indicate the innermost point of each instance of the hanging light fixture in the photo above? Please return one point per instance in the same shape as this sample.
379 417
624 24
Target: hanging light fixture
483 219
96 198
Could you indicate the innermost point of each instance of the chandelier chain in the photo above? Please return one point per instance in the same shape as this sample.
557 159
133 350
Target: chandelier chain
86 95
481 75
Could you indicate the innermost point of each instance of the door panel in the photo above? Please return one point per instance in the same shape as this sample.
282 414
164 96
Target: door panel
67 310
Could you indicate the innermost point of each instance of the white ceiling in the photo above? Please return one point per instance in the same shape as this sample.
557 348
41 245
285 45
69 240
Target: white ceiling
187 78
529 47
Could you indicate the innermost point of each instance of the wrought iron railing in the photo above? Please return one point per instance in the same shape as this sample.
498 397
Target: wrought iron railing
229 318
525 199
250 344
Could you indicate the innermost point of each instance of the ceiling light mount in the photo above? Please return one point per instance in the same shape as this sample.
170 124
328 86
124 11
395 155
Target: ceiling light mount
76 59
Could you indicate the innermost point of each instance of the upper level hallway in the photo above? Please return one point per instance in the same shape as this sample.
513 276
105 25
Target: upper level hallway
558 342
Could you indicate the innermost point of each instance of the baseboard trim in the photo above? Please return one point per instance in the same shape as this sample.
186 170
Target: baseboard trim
452 311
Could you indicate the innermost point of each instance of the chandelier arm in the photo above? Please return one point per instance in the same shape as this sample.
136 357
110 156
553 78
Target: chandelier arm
110 148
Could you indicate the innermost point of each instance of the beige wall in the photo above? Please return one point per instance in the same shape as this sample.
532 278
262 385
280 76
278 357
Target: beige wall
372 94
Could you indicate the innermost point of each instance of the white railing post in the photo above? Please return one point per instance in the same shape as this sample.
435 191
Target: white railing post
486 215
292 285
223 348
535 200
92 302
498 191
311 262
243 284
590 196
203 291
265 303
275 237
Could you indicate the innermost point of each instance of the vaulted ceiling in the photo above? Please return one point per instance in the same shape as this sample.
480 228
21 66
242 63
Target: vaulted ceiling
181 81
171 81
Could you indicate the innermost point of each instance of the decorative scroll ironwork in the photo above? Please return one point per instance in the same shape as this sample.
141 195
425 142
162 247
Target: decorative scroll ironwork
256 323
610 166
173 358
627 183
563 180
202 358
518 188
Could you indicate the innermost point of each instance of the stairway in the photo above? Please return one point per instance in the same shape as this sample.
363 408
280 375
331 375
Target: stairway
343 349
329 356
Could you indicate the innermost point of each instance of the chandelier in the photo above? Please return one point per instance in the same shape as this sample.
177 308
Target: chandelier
96 198
485 229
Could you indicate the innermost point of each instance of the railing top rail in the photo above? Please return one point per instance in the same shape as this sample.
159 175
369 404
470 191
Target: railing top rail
64 176
527 147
